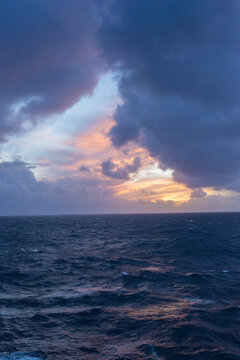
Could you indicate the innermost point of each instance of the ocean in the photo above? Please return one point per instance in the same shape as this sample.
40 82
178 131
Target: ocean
120 287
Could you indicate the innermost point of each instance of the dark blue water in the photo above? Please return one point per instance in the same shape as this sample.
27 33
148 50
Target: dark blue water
120 287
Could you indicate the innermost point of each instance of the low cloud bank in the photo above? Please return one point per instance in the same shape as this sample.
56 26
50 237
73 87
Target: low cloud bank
22 194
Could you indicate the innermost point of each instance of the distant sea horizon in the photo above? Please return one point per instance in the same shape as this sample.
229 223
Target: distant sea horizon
123 213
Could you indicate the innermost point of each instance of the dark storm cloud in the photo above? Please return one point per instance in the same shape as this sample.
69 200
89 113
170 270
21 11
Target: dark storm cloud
179 66
48 57
180 82
122 173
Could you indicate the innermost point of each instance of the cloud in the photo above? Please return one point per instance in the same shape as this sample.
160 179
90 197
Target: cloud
179 66
22 194
92 147
152 188
49 58
198 194
84 168
178 69
122 173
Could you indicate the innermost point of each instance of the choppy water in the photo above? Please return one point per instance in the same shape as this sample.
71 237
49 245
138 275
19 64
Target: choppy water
120 287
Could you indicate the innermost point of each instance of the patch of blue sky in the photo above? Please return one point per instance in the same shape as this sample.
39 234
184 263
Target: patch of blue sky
50 136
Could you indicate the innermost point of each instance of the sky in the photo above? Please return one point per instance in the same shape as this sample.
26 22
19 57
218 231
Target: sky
119 106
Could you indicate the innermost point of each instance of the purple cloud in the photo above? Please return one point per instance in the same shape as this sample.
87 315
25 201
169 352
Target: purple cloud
198 194
180 83
122 173
84 168
22 194
49 58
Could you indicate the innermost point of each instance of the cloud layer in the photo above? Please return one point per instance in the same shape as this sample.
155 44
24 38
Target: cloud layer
49 58
178 71
22 194
180 82
122 173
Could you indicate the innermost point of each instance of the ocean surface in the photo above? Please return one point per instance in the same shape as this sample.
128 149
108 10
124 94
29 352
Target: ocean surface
120 287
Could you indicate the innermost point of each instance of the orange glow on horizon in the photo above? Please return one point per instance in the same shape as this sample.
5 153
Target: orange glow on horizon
153 190
150 184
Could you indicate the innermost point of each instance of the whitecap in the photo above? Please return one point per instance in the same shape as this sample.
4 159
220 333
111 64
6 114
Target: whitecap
199 301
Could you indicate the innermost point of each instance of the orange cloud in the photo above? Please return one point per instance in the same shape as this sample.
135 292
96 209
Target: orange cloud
150 184
153 190
93 146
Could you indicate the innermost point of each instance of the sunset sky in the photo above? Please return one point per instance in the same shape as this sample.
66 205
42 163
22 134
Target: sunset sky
119 106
